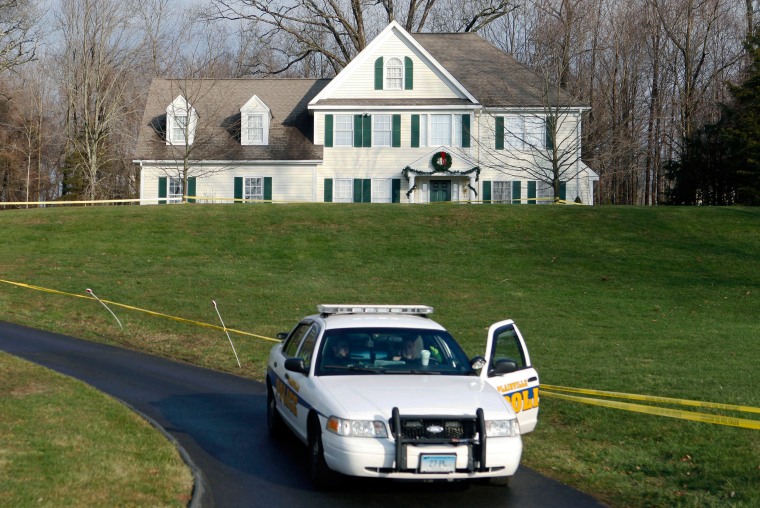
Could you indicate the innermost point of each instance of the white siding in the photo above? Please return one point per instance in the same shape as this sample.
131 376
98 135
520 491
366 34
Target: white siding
290 182
428 83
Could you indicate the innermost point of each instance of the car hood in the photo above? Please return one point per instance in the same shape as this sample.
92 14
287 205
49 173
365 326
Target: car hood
375 396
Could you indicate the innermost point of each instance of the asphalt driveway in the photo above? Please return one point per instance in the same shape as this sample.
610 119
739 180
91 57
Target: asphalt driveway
219 421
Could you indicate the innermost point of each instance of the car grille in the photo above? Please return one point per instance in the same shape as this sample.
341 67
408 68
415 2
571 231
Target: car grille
436 429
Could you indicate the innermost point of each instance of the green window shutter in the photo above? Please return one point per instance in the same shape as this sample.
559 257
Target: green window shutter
162 189
267 188
379 74
486 191
239 188
396 136
328 190
563 191
549 127
532 192
357 190
415 131
367 190
367 131
191 189
408 74
358 130
465 131
516 191
499 133
396 190
328 131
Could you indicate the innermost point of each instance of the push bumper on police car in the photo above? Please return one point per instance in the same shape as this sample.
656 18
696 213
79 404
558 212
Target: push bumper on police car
429 448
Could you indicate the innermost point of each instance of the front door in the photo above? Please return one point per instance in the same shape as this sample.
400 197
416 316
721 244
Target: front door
508 369
440 190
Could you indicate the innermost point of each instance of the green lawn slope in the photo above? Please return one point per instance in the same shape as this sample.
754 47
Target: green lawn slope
656 301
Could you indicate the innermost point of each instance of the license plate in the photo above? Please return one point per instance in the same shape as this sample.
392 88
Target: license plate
438 463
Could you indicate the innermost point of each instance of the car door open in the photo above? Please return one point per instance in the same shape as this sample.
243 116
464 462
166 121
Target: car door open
509 370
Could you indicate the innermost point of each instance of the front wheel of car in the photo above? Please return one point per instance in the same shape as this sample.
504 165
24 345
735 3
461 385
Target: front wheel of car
322 477
275 425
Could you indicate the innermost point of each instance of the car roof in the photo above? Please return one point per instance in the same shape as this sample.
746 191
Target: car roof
342 321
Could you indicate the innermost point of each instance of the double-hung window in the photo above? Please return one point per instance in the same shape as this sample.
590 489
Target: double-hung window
255 128
381 190
423 130
440 130
253 188
501 192
514 132
179 128
382 131
343 191
174 191
344 130
535 132
394 74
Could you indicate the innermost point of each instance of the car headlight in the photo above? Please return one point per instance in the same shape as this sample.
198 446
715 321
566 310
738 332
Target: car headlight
502 428
356 428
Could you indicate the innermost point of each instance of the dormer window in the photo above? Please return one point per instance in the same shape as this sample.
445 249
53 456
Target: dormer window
394 74
181 120
254 122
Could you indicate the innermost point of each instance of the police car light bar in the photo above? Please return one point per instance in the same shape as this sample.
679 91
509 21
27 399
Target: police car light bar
417 310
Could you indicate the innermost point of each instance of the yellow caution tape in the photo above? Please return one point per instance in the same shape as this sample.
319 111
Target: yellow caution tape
150 312
653 398
660 411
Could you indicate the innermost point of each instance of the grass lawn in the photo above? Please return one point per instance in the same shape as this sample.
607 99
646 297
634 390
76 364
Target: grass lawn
63 443
658 301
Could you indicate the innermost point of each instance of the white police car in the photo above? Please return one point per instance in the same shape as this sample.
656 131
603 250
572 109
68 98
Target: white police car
384 391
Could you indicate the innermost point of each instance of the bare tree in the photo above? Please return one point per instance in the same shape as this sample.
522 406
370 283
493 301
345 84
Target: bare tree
18 36
338 30
100 48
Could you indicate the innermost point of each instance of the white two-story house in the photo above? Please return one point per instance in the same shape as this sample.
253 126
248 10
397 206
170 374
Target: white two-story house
414 118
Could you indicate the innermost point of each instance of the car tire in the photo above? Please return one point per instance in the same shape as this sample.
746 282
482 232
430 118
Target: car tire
322 477
275 425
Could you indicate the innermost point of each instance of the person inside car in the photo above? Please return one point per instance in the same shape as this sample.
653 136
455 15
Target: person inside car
340 352
410 350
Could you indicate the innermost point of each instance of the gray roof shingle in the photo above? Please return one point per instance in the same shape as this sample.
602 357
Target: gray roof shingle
217 103
493 77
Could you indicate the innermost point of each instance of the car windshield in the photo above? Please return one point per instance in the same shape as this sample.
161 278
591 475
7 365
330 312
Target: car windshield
390 351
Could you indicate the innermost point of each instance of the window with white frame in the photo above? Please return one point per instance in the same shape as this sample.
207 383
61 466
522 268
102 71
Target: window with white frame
344 130
501 192
440 130
535 131
255 128
514 132
457 134
343 190
381 130
179 128
381 190
253 188
394 74
174 191
523 132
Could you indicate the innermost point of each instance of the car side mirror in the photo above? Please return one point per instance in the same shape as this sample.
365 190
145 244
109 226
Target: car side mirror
296 365
503 366
282 335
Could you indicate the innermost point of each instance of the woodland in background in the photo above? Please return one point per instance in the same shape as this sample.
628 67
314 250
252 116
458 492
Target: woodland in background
672 85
